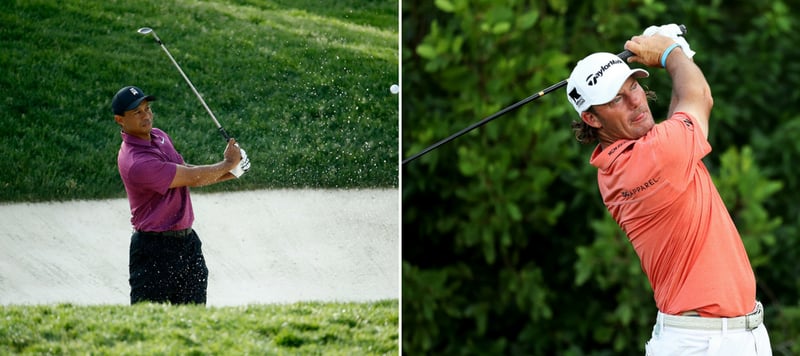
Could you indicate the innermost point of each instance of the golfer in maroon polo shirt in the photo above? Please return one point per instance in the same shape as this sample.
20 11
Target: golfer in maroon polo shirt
166 260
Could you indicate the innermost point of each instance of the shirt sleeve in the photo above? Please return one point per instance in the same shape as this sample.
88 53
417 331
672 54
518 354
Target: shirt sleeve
153 173
679 146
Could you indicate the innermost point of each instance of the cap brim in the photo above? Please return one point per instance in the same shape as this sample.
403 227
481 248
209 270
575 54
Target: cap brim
609 95
137 102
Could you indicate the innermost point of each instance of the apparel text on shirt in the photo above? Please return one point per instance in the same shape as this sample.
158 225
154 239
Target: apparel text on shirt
628 194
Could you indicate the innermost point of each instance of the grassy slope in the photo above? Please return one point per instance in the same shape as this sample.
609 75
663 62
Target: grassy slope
303 87
153 329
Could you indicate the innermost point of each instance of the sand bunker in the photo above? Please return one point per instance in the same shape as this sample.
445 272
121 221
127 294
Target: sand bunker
279 246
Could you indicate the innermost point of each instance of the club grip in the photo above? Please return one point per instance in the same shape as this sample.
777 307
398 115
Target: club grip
224 134
624 55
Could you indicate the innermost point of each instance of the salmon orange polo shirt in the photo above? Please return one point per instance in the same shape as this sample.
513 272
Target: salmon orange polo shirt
662 196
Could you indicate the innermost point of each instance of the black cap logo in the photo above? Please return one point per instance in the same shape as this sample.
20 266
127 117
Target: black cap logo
576 98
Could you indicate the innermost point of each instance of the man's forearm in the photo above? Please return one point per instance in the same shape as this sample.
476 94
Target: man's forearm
690 90
688 81
198 176
225 177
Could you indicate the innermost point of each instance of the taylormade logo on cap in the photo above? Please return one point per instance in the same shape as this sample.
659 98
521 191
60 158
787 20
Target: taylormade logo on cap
592 78
596 80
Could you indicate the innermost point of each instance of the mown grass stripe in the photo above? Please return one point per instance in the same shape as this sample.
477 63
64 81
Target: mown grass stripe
303 87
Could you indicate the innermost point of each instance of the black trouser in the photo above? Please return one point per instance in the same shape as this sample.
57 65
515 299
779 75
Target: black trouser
167 268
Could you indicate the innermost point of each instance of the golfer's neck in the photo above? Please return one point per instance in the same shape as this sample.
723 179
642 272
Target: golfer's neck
143 136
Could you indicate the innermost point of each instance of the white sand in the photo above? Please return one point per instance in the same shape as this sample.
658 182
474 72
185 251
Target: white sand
279 246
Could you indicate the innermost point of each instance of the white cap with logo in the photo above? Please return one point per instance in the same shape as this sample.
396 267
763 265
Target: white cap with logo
597 79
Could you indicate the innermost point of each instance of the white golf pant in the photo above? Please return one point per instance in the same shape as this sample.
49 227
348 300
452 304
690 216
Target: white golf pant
725 341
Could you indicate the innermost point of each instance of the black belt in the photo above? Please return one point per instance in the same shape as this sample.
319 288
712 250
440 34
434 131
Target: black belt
171 233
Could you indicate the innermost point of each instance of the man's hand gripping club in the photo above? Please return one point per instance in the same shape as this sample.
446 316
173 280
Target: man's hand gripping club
243 163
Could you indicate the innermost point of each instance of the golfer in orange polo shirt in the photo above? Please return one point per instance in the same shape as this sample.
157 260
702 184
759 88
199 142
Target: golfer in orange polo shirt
655 185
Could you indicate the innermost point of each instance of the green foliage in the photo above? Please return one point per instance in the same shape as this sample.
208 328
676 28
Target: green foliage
784 321
148 329
608 263
745 190
304 88
507 248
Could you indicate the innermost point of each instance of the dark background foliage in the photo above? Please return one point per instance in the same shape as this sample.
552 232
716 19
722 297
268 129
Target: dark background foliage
507 248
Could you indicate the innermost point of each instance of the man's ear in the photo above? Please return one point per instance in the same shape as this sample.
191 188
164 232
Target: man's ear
118 119
591 119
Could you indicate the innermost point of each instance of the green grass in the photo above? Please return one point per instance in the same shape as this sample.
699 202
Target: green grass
159 329
303 87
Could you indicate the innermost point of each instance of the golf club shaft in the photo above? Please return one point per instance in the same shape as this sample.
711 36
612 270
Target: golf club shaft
486 120
624 56
221 130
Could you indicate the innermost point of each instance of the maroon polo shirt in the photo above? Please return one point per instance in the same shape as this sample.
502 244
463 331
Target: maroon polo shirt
147 169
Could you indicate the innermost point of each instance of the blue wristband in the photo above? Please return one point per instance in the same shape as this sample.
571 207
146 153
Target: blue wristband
666 54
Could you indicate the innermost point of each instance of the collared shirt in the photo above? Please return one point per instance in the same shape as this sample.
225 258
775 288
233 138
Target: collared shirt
661 194
147 169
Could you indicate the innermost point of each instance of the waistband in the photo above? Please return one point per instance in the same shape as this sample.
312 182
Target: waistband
747 322
171 233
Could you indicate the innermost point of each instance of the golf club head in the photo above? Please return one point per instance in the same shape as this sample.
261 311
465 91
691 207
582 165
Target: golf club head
147 31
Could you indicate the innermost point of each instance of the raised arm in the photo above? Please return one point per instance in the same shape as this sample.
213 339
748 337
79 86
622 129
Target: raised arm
690 90
197 176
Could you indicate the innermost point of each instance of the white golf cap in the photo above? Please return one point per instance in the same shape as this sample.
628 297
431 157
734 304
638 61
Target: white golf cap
597 78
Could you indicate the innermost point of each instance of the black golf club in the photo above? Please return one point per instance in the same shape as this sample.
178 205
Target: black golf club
624 56
146 31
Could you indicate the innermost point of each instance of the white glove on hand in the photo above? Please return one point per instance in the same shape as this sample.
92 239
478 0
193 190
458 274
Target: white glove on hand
243 166
674 32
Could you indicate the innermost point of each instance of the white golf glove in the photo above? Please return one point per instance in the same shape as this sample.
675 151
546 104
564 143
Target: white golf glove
243 166
674 32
